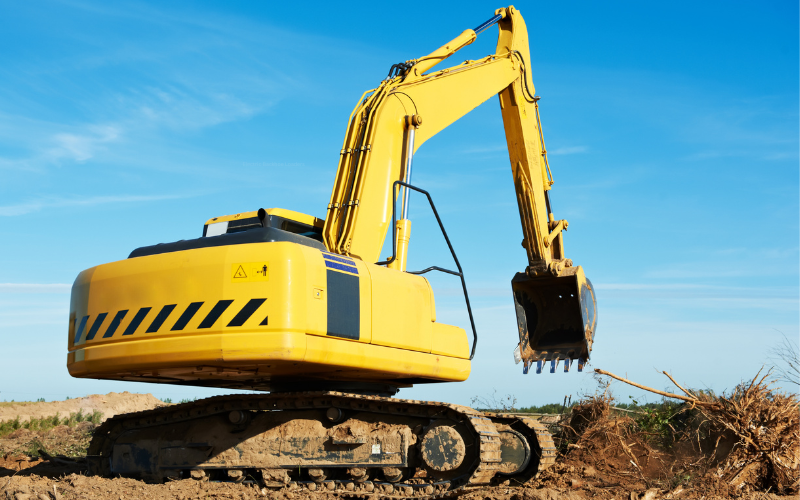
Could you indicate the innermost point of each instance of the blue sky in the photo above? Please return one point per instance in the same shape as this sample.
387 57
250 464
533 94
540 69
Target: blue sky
673 138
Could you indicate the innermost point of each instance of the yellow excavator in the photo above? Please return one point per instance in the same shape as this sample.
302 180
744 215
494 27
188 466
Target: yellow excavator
307 311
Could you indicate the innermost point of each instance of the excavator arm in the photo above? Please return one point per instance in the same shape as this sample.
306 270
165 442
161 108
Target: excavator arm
554 301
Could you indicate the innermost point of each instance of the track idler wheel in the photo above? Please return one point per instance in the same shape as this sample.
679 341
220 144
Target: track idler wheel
526 448
515 452
443 448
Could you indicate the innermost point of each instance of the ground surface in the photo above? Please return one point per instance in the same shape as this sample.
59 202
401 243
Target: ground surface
30 469
109 405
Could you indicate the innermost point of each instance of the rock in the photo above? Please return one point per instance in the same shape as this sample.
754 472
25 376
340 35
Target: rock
575 483
676 492
651 494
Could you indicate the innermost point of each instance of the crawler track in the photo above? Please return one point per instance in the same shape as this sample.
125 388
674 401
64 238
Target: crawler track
245 438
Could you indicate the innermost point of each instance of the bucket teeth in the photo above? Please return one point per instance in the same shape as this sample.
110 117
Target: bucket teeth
540 364
556 318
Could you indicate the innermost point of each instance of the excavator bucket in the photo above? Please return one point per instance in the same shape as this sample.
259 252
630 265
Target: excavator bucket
556 317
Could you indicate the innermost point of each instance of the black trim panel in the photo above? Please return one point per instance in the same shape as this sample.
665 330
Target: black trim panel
162 316
112 328
96 325
187 316
257 235
136 321
215 313
247 311
344 305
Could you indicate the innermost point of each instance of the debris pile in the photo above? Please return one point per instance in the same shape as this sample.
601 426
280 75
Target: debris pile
748 440
766 427
612 444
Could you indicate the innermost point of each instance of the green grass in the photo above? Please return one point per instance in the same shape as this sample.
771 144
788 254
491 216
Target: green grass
46 423
552 408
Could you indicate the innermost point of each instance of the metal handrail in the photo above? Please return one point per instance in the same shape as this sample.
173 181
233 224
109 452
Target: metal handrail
460 272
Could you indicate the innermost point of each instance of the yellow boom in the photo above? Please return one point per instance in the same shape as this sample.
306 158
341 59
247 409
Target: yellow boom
407 109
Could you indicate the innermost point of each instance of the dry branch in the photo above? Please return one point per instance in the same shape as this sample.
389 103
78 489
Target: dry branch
764 424
640 386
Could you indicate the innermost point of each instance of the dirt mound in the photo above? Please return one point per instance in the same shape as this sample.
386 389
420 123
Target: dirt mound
109 405
612 447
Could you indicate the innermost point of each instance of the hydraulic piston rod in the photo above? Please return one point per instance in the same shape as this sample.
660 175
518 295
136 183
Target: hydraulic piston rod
412 122
491 22
403 227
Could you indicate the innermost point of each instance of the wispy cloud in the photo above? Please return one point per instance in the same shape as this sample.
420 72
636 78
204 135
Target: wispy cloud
503 148
568 150
485 149
35 288
183 106
647 286
41 143
81 147
699 296
41 204
26 315
717 269
128 95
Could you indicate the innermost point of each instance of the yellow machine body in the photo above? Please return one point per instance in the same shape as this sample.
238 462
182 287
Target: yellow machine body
259 316
275 299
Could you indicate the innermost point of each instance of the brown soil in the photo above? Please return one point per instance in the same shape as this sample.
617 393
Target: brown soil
598 465
61 440
43 480
109 405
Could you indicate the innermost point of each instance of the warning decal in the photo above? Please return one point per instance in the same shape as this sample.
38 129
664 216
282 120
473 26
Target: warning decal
247 272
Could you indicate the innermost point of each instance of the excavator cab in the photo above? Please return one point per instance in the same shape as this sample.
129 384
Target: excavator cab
556 318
